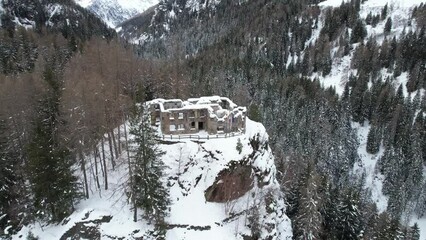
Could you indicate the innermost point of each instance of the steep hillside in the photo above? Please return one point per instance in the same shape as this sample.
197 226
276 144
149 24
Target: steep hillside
114 12
201 207
61 16
402 21
165 17
28 25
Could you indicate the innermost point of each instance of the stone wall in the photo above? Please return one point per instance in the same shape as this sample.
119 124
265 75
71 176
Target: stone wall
174 118
186 121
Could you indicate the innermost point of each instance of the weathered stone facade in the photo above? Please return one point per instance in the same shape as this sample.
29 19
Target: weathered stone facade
213 115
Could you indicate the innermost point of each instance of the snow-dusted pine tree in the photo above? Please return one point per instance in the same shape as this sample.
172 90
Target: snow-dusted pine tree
373 140
7 177
146 189
309 219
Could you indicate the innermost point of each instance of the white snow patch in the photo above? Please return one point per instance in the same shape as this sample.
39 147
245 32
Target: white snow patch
367 166
84 3
338 76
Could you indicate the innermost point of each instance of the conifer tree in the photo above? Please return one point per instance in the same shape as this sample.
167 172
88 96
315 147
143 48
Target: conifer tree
414 233
371 221
309 219
54 186
384 12
359 32
15 207
388 26
147 189
254 113
373 140
415 166
239 146
349 216
7 177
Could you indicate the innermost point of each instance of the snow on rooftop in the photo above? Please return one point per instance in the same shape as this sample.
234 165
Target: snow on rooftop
172 100
208 102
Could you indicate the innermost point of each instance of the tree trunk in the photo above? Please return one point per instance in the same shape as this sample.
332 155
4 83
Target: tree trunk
105 172
135 213
114 144
119 138
111 150
145 164
83 168
95 153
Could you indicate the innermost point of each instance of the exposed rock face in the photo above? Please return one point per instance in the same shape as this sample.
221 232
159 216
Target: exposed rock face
230 184
86 229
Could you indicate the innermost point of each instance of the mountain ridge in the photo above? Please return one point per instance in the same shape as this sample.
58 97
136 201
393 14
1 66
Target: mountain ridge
114 12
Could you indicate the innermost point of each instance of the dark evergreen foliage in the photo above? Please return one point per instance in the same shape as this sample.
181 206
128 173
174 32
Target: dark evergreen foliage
414 232
373 140
7 177
388 26
49 161
359 32
147 189
70 20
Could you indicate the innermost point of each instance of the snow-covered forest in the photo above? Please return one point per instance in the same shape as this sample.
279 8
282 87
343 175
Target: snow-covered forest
339 87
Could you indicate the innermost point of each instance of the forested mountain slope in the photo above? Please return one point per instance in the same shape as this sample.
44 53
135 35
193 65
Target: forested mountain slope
60 15
337 85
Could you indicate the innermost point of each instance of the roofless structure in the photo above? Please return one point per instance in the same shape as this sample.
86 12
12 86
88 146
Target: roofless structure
213 115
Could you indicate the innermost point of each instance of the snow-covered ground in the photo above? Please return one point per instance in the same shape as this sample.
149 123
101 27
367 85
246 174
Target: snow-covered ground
367 166
191 168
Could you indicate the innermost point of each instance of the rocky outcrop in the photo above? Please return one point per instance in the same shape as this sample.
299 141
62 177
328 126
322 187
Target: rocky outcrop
86 229
231 183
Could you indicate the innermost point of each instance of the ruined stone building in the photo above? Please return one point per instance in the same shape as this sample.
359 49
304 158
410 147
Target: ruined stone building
212 115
